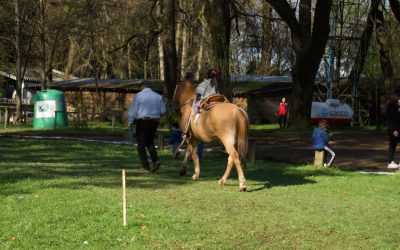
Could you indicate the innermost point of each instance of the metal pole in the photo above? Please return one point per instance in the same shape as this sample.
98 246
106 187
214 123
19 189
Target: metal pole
112 123
6 119
55 120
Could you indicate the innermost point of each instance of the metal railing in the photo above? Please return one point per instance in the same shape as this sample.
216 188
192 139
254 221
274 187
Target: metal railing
10 101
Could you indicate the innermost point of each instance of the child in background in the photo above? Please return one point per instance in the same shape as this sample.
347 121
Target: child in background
175 138
320 140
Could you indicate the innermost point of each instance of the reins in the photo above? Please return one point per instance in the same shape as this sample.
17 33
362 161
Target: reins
185 131
187 102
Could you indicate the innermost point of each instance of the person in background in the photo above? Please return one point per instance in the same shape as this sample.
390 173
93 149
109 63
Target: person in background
145 111
282 113
175 139
321 138
393 130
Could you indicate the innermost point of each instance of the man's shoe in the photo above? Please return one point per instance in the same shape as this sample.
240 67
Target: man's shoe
156 166
393 165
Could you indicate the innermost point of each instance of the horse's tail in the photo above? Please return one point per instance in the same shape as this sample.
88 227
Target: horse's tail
243 133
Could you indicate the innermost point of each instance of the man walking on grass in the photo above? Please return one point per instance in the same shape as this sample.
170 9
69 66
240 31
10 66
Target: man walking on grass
145 111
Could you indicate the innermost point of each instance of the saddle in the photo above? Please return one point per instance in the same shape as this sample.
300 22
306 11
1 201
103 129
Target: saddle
211 101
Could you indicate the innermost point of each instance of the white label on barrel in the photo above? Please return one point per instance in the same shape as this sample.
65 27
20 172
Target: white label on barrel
45 109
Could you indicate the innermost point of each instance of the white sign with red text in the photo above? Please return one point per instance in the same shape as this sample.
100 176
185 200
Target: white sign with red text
333 111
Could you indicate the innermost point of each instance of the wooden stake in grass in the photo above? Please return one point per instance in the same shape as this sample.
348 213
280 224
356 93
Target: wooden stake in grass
124 196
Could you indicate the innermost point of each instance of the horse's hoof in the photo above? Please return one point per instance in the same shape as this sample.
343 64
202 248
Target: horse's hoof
243 189
195 178
221 182
182 172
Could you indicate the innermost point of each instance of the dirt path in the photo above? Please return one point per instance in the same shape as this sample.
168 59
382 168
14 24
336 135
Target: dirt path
363 150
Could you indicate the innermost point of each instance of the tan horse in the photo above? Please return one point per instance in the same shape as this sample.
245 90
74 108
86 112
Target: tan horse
225 122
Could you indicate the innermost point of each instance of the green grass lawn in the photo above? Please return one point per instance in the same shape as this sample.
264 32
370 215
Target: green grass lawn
58 194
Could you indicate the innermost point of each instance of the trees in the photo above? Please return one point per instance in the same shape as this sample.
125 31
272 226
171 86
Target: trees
53 21
395 6
21 13
19 70
309 39
165 39
169 47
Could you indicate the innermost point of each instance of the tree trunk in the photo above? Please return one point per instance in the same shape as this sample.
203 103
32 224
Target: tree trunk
202 38
179 27
42 35
95 71
185 45
49 70
160 44
218 16
161 58
265 64
302 92
73 49
395 6
18 38
128 58
384 53
170 58
145 68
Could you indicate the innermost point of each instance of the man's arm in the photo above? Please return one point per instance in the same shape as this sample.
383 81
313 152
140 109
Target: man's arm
391 116
163 109
133 110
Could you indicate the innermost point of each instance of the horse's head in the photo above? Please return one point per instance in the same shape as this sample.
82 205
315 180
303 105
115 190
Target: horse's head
184 91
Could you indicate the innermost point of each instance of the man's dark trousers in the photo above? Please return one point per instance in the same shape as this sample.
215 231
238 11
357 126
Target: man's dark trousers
393 141
146 129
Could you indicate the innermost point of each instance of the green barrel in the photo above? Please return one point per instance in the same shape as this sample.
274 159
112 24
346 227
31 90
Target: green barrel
49 110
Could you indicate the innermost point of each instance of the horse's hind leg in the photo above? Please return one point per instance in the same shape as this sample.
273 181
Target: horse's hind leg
227 171
236 160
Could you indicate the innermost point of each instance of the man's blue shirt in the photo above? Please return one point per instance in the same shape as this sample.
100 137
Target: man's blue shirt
146 103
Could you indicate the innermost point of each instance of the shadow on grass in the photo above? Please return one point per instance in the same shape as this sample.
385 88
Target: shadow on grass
74 165
263 175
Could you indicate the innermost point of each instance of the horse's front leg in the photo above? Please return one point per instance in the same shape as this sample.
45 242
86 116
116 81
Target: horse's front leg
183 169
